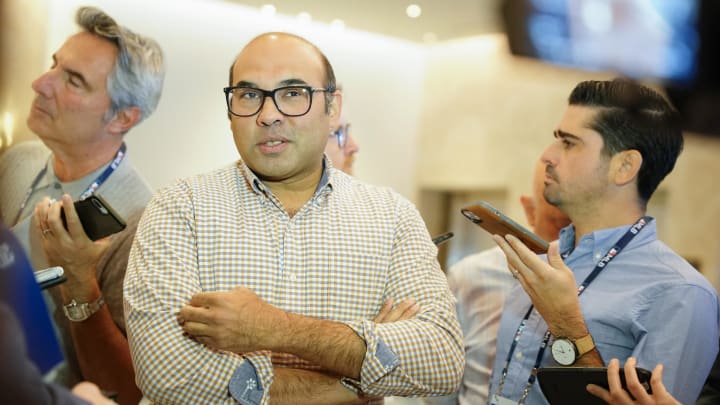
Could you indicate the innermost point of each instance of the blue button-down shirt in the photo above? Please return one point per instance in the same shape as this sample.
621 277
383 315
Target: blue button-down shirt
648 303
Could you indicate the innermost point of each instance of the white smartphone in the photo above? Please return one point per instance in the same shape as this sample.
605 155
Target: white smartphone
49 277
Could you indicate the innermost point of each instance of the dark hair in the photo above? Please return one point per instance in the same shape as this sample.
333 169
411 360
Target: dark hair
330 81
633 116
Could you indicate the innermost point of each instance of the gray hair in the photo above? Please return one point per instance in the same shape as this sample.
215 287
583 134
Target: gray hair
137 78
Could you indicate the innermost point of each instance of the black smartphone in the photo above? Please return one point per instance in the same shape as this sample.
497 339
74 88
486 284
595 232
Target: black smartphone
440 239
50 277
492 220
567 385
97 217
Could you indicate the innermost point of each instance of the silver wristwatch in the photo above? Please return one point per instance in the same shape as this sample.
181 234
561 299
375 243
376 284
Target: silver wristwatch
80 312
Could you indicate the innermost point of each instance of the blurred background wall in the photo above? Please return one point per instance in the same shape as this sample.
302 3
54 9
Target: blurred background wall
445 122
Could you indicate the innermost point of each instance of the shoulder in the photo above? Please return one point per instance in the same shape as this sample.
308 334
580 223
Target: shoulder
671 276
672 268
26 157
207 188
32 150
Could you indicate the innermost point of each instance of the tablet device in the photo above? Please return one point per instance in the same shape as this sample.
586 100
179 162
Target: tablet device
567 385
492 220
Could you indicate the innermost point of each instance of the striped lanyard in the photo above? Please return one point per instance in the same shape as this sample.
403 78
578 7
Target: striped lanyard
119 156
611 254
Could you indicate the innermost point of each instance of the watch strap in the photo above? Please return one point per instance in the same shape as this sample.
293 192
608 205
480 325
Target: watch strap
78 312
584 344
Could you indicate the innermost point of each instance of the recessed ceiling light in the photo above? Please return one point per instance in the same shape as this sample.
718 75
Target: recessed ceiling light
268 10
413 11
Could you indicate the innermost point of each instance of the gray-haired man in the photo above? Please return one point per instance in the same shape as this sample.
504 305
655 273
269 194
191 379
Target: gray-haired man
103 81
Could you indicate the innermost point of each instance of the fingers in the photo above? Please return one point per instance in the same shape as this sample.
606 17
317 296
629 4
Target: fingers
197 330
48 214
512 257
195 321
190 313
91 393
74 227
632 381
527 261
658 388
405 310
617 392
54 222
40 215
384 311
553 255
599 392
202 299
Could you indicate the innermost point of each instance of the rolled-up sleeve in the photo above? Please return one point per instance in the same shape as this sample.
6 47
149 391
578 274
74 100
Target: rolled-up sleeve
422 356
162 276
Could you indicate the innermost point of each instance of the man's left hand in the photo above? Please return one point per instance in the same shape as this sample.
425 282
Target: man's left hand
551 286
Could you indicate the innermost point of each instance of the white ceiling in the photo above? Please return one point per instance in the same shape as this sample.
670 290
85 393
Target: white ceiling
446 19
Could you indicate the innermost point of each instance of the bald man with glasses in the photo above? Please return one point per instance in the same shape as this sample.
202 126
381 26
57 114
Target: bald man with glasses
263 280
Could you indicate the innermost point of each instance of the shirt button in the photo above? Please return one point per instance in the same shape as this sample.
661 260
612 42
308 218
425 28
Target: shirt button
293 277
518 355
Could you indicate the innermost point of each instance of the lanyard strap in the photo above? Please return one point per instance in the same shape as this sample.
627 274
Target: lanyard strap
119 156
600 266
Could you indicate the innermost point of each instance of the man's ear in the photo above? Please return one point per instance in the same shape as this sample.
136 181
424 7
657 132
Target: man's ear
124 120
529 206
627 166
334 109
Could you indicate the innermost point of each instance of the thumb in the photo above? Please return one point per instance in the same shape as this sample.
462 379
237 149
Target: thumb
553 255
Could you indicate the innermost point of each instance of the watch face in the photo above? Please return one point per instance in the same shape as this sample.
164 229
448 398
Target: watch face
563 352
77 313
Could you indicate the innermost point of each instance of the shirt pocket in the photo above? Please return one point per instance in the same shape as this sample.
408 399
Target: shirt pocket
354 286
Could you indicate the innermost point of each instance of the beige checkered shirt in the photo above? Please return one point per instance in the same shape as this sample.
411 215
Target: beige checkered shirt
346 250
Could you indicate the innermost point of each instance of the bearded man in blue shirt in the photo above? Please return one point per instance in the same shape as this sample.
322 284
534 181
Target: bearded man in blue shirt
609 288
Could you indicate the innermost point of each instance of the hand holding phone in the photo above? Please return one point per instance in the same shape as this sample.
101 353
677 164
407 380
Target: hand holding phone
97 217
492 220
568 385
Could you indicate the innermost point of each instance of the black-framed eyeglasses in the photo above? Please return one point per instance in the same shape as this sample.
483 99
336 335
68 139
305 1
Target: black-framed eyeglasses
292 101
341 133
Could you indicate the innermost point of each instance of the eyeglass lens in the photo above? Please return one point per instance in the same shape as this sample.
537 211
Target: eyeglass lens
291 101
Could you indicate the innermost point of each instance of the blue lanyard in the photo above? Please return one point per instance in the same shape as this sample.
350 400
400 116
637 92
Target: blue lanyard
119 156
600 266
